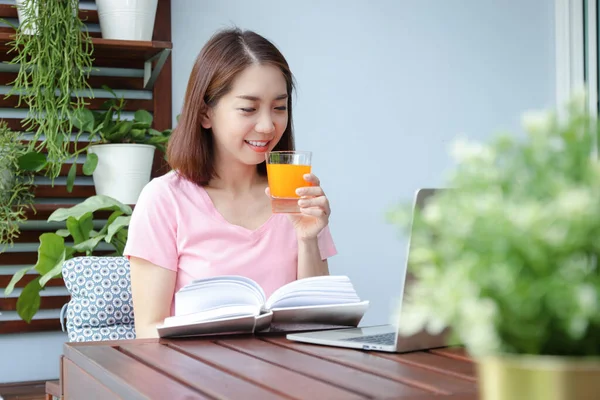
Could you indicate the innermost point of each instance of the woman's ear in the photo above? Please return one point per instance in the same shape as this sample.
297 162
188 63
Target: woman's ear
205 119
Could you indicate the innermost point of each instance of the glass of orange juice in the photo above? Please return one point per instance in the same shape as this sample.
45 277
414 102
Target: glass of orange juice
285 172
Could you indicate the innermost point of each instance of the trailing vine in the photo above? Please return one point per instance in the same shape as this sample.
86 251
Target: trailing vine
15 186
55 62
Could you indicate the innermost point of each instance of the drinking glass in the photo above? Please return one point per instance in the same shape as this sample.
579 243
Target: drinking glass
285 172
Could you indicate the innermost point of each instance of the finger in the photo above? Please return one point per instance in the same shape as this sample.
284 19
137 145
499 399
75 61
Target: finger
312 178
268 191
320 201
314 211
310 191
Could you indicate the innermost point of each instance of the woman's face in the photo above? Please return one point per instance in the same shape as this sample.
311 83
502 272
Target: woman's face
249 120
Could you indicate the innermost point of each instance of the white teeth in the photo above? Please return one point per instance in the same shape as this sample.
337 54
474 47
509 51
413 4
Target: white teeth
257 144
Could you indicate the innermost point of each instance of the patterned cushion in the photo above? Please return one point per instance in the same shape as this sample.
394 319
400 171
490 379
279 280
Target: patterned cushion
100 307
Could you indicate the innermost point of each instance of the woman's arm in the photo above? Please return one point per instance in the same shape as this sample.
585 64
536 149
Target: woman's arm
152 290
309 259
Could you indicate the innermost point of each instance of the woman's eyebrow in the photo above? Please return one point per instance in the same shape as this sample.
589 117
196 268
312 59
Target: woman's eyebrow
257 98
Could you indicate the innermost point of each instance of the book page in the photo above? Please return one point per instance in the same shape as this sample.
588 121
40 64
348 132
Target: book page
211 293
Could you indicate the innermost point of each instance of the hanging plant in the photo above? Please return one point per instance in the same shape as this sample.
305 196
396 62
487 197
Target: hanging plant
54 64
15 186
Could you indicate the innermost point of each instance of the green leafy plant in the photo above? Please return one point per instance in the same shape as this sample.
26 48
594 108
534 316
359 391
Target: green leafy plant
108 126
15 186
54 250
508 257
54 64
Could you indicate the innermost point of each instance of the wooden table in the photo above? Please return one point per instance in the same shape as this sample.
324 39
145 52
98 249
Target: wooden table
246 367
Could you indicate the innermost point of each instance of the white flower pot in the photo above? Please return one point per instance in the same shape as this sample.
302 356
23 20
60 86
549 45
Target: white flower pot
123 170
127 19
21 14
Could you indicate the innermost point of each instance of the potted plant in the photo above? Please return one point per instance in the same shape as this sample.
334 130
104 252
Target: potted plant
84 237
507 259
54 52
15 186
120 152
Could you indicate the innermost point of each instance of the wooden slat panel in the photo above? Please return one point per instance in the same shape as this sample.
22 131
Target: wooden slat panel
214 382
340 375
79 384
458 353
142 381
60 191
89 16
5 280
47 303
252 369
391 369
95 81
37 325
31 258
94 104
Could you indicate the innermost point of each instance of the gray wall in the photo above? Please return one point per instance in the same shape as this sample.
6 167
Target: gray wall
383 87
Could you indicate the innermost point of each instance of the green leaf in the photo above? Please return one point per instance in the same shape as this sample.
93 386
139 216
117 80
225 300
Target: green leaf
29 301
138 134
71 177
55 271
110 220
83 119
108 89
80 228
32 161
91 204
118 223
63 232
143 116
16 278
51 250
90 164
89 245
154 132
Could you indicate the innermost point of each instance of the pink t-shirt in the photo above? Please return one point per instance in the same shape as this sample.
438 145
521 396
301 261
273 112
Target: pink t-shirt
176 226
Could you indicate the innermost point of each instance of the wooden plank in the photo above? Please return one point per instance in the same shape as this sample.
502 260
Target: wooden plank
366 384
255 370
391 369
458 353
162 90
214 382
445 365
92 103
126 376
30 258
10 11
5 280
78 384
47 303
60 191
37 325
19 390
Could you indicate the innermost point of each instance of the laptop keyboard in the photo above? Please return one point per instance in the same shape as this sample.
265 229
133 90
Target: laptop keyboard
384 338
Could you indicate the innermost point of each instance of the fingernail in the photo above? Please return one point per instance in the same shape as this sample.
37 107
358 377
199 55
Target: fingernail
299 191
302 202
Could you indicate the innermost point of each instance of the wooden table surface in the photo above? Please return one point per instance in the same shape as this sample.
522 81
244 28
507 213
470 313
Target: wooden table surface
260 368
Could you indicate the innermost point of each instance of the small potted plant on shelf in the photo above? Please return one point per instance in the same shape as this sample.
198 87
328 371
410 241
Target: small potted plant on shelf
16 196
120 151
84 239
508 259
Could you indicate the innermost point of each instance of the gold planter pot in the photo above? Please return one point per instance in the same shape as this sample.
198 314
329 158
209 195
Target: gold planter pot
529 377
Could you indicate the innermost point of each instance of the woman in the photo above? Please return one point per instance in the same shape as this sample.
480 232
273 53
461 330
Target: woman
210 215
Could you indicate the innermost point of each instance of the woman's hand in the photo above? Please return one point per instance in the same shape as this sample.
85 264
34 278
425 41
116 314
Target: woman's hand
314 209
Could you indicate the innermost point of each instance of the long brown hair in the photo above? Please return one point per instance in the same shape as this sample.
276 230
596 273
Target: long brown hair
190 150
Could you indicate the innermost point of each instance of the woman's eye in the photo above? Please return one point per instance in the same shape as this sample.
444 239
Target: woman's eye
282 108
248 110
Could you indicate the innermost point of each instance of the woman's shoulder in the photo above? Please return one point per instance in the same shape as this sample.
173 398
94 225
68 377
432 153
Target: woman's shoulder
170 183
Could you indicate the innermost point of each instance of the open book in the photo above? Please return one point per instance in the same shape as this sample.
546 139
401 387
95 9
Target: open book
235 304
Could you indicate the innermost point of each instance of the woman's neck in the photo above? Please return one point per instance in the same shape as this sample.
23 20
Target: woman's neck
237 178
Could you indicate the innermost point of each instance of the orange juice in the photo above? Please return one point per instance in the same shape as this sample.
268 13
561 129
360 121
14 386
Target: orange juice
284 179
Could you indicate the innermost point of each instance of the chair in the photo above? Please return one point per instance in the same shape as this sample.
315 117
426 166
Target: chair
101 307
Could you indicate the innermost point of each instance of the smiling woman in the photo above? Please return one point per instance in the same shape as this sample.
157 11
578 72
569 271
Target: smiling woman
211 215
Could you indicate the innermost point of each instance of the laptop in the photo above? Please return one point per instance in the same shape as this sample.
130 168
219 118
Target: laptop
382 337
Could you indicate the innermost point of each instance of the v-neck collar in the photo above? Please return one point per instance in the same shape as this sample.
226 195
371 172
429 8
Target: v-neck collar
219 217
